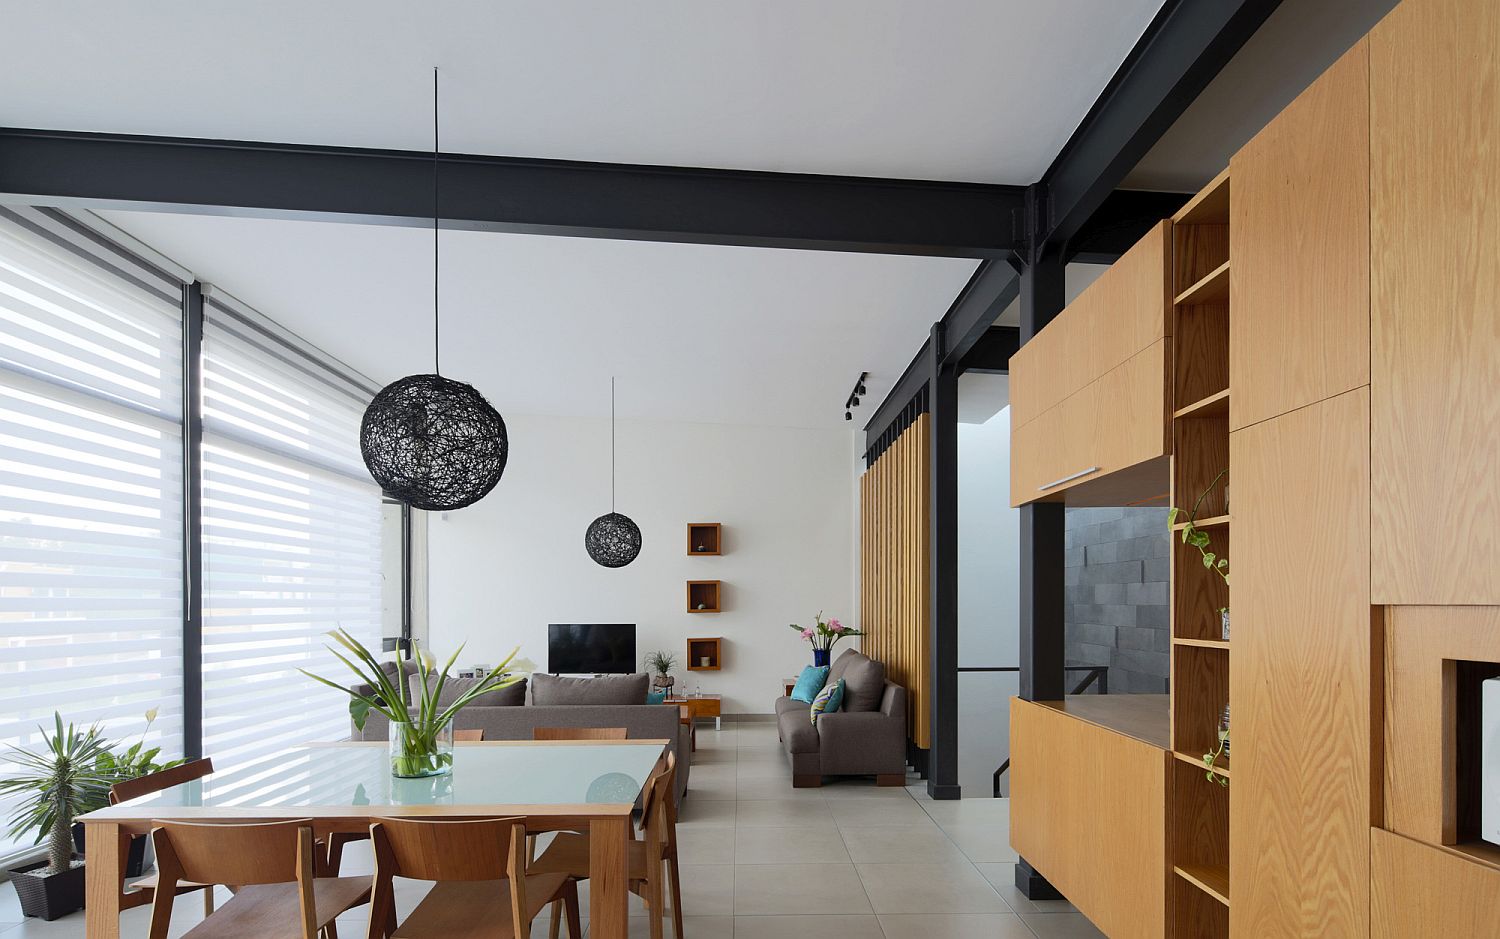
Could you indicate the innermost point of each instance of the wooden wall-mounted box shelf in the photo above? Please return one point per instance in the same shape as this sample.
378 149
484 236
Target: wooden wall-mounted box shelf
703 596
705 650
705 538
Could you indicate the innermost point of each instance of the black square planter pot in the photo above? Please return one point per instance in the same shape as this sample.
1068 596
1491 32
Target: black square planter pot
48 896
138 859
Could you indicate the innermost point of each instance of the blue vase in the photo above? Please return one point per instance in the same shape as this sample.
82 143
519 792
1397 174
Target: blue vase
820 658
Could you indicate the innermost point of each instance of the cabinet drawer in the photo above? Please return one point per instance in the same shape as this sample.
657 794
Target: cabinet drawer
1117 316
1114 422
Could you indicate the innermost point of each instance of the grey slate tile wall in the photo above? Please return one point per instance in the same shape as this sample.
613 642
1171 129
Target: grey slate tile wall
1117 596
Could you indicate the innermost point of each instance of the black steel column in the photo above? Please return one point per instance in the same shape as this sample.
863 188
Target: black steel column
192 521
1042 297
942 775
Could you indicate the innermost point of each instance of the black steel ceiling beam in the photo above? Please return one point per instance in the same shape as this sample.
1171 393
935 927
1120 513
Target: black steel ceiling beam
993 351
1186 45
552 197
1125 216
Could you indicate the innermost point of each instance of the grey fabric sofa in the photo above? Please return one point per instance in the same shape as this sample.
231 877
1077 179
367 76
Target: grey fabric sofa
866 738
517 721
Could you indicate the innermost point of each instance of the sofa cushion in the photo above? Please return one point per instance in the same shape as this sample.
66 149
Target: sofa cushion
798 734
809 683
828 700
789 704
864 683
606 689
508 697
841 664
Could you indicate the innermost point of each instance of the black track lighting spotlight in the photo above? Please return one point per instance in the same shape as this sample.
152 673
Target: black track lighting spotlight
859 389
848 416
855 399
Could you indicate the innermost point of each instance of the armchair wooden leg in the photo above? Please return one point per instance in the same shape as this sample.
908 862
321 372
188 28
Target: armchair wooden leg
556 925
654 903
675 882
570 904
208 901
806 781
890 779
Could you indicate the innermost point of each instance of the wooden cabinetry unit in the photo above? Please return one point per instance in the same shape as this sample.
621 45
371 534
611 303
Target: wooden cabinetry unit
1089 394
1302 677
1418 890
1099 837
1300 238
1435 285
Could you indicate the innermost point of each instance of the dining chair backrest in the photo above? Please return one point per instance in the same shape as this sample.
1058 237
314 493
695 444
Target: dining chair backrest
469 736
656 801
240 854
579 733
443 850
155 782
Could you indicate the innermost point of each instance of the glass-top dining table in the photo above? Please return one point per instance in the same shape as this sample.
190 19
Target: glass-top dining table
586 785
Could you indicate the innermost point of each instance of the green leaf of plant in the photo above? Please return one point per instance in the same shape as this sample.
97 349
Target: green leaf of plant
1208 559
359 710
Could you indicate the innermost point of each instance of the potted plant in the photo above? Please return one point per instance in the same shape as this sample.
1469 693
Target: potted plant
55 782
133 763
661 664
421 732
1198 538
824 636
1210 759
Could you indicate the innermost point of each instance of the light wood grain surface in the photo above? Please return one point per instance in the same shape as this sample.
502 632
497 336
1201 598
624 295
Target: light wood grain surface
1421 892
1099 837
1299 240
1435 281
1302 673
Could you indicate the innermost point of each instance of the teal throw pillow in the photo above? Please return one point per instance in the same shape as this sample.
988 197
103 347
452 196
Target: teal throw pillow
828 700
809 683
656 697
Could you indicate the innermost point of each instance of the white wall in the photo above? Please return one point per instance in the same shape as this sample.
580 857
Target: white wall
988 580
502 569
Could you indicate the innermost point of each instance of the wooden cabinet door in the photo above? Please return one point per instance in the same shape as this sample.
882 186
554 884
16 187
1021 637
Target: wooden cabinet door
1435 303
1299 247
1132 413
1127 306
1058 444
1300 674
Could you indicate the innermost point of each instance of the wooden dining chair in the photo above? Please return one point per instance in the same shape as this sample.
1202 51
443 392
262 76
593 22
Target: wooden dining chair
143 890
647 860
469 736
579 733
482 886
274 867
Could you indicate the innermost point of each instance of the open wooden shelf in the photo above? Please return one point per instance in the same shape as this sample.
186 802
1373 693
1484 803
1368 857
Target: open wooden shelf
1202 643
1212 287
1208 207
707 647
704 539
1213 881
1221 768
703 596
1216 521
1215 405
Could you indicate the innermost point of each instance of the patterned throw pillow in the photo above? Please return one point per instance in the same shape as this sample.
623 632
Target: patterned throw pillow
828 700
809 683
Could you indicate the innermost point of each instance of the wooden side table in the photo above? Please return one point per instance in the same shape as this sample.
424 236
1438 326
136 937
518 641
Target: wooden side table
788 685
704 705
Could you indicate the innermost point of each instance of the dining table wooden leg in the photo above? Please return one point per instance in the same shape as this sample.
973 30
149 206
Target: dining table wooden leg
103 876
609 891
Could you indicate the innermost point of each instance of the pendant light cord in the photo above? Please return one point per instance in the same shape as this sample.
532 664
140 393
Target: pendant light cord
611 443
436 345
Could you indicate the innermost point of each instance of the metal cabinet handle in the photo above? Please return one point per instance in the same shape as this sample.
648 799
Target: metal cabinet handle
1068 479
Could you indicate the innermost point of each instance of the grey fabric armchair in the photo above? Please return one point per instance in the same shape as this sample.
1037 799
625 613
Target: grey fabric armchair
853 742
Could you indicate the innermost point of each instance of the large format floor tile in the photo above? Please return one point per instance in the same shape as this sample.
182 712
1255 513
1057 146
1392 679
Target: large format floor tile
929 888
912 844
823 925
788 846
797 888
954 926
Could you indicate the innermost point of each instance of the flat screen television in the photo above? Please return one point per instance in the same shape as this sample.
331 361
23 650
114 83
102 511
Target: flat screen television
591 648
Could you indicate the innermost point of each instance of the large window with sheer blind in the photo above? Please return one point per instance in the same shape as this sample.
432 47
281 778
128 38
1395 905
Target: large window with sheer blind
291 536
93 507
91 530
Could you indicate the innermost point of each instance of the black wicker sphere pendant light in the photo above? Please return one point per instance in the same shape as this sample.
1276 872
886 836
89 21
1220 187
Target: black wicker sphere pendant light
429 441
612 539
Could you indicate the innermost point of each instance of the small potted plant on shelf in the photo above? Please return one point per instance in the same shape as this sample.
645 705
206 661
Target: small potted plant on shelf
660 664
1198 538
421 731
1222 750
824 636
55 782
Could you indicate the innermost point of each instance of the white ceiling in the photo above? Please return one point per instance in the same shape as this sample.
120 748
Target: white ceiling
980 90
538 324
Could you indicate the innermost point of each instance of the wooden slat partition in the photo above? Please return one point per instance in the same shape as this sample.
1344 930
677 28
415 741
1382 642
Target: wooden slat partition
895 583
